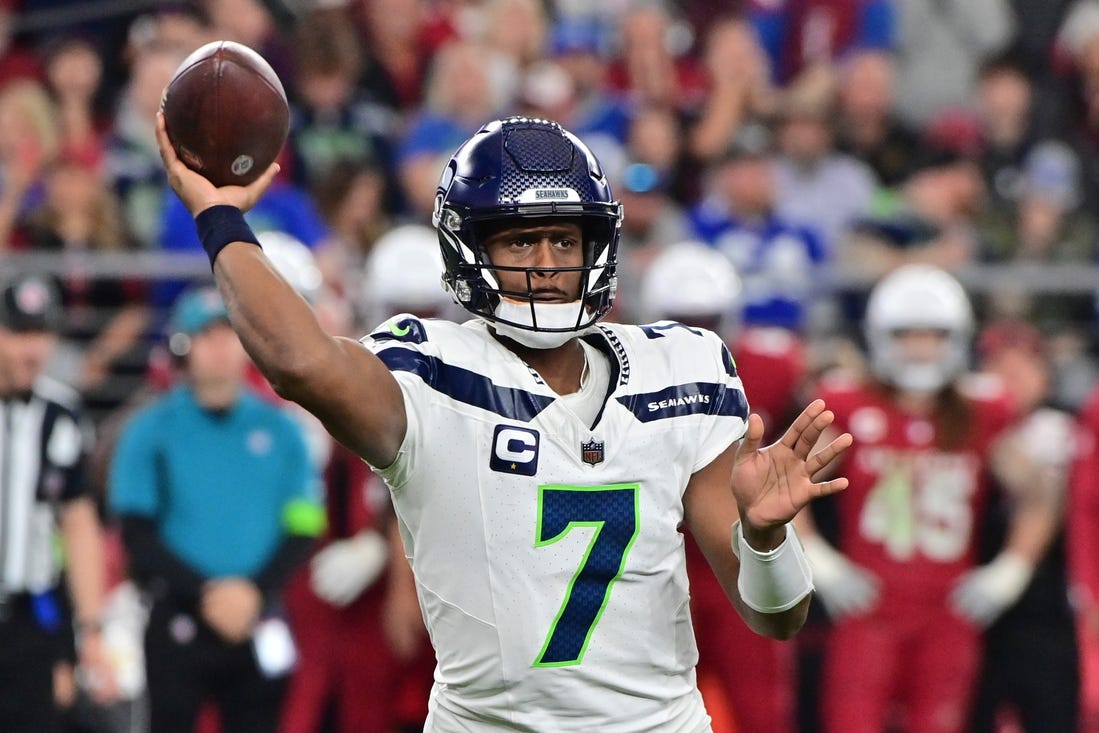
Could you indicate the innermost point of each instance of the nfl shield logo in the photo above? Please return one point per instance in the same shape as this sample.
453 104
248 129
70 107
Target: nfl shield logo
591 452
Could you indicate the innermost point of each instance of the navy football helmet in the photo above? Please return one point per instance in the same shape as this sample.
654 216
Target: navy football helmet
524 167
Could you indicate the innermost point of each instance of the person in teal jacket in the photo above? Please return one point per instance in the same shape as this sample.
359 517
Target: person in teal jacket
218 503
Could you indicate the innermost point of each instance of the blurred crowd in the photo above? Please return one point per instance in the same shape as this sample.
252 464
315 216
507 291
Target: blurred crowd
775 159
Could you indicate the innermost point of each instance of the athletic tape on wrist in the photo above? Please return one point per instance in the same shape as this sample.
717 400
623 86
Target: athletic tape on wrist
775 581
219 226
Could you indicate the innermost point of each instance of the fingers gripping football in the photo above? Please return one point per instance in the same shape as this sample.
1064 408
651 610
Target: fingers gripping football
196 192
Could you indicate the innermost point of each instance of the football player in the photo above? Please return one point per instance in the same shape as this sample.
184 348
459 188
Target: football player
541 462
902 584
696 285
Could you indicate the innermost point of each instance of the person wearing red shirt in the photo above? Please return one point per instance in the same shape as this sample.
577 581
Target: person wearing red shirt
1082 530
364 662
694 285
902 586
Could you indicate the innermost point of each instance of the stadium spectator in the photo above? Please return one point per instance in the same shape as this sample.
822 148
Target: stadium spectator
655 221
333 118
400 50
459 99
352 201
940 49
18 61
580 46
1004 112
132 166
1046 223
519 28
817 187
930 219
29 143
252 23
776 261
1078 40
74 72
103 348
287 208
740 88
653 66
867 126
813 34
1036 40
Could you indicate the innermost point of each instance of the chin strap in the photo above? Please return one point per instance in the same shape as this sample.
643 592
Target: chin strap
518 323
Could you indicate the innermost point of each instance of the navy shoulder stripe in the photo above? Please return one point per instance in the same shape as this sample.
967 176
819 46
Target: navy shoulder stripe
697 398
466 386
727 361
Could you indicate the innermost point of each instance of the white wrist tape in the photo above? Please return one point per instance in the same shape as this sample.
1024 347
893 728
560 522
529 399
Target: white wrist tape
775 581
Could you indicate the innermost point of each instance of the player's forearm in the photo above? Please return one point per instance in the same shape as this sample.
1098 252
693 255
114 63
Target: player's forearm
783 626
1037 493
1081 529
275 324
153 565
1033 527
86 564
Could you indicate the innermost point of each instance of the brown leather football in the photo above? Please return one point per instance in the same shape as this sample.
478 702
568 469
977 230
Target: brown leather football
226 114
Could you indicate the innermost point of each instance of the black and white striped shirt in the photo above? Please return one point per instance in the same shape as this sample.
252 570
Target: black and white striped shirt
43 445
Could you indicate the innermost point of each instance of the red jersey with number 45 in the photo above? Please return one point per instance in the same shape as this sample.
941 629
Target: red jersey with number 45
911 512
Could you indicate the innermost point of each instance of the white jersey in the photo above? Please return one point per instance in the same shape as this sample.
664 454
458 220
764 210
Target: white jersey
547 552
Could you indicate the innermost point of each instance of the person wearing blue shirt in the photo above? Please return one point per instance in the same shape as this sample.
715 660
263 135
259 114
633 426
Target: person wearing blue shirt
796 34
285 208
218 503
780 264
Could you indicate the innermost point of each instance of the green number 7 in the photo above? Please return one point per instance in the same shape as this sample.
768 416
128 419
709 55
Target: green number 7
612 510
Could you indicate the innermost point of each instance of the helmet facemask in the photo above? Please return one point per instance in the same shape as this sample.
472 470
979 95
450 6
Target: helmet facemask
892 363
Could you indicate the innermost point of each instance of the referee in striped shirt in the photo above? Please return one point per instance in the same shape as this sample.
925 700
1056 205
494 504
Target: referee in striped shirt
42 450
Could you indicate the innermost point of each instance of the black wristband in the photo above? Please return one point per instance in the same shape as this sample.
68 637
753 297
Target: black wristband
218 226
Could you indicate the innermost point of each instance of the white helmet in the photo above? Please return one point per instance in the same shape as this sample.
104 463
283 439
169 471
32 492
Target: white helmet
689 279
918 297
294 261
404 272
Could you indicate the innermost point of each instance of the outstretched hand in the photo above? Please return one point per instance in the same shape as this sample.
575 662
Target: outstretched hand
195 191
773 483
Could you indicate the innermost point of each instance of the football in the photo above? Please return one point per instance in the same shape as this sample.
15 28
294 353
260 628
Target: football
225 113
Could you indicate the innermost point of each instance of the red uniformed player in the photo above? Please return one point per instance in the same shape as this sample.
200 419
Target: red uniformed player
694 284
357 665
901 584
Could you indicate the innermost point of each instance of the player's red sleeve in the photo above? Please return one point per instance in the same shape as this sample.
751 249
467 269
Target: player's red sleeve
771 364
1082 516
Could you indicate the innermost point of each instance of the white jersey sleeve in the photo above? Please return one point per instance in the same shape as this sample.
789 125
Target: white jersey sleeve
547 552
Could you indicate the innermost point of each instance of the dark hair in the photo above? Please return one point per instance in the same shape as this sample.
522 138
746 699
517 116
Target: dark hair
953 416
1008 62
326 43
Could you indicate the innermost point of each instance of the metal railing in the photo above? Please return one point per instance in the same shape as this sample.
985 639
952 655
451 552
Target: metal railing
1036 278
